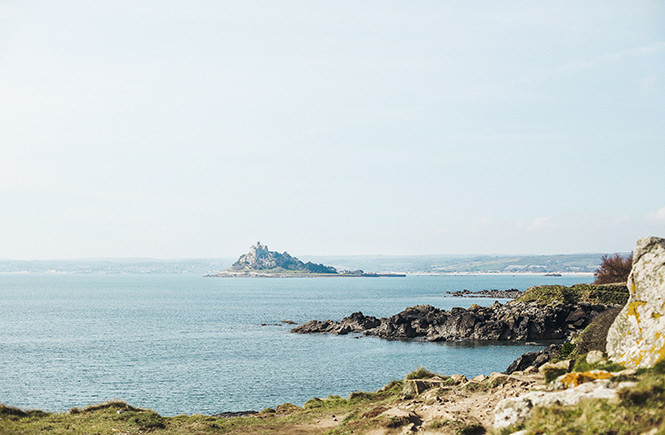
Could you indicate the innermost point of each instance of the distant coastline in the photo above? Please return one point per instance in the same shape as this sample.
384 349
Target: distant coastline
226 274
501 273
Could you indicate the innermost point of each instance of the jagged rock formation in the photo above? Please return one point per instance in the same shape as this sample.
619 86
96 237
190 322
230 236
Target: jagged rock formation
510 322
498 294
534 359
636 339
260 258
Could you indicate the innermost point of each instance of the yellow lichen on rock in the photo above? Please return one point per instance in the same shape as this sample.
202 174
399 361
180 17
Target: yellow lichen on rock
574 379
633 309
635 337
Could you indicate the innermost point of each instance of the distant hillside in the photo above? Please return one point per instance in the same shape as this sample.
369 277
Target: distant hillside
117 266
565 263
380 263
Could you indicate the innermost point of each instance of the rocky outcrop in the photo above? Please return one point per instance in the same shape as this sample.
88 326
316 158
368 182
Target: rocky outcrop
636 339
534 359
513 411
508 322
260 258
498 294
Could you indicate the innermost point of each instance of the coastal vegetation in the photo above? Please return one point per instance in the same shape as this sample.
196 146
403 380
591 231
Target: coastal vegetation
638 409
606 294
613 269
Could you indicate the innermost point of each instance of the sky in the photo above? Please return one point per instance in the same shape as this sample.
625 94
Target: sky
174 129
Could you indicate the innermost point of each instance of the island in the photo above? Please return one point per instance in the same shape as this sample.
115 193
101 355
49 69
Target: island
262 262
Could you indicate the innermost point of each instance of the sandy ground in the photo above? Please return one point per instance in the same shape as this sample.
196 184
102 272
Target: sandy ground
448 407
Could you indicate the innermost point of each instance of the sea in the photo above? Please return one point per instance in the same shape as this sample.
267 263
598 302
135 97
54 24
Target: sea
187 344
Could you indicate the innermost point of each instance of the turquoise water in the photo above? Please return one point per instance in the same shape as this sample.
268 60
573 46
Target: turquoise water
188 344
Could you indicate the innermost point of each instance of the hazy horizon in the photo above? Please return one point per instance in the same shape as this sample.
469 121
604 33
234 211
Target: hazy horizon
307 256
172 130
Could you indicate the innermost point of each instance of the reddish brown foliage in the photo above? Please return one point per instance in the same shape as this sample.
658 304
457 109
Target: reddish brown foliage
613 268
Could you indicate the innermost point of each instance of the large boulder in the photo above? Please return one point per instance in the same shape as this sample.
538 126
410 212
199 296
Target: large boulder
637 337
515 410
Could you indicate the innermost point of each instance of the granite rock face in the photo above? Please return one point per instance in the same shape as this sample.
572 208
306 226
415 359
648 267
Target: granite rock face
512 411
524 321
636 339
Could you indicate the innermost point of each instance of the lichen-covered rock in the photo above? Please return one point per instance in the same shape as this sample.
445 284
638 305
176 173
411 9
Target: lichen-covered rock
570 380
551 370
637 337
516 410
594 357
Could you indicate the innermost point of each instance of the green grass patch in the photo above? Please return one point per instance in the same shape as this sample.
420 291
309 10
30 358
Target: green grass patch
420 373
607 294
582 366
638 410
390 391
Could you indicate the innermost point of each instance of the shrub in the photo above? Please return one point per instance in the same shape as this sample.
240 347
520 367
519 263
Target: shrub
392 387
438 424
11 411
659 367
613 269
112 404
396 421
420 373
313 403
650 391
359 396
594 336
147 420
16 413
470 429
606 294
566 349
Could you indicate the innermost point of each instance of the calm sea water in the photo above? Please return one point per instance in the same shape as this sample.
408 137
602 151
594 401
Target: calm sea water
188 344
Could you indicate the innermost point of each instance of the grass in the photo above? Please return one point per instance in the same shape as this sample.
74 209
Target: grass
104 418
638 410
420 373
361 409
594 336
582 366
607 294
457 427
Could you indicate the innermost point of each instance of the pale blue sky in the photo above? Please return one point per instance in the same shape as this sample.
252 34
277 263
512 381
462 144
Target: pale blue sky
193 129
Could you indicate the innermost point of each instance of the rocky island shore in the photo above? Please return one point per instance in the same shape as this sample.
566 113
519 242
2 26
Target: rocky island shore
497 294
528 318
260 262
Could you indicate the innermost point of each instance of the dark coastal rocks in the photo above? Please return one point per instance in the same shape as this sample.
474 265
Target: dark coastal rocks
534 359
235 414
496 294
356 322
523 321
